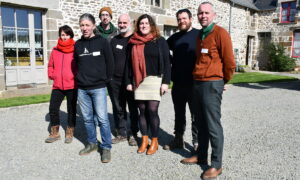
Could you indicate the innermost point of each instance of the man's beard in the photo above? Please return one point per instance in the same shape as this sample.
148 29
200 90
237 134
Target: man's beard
185 27
123 31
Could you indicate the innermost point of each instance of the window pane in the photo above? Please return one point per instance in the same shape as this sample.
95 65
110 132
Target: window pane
22 18
8 16
9 37
297 35
157 3
297 44
296 52
285 5
39 57
23 38
292 18
284 18
37 19
10 57
284 12
38 38
293 5
24 56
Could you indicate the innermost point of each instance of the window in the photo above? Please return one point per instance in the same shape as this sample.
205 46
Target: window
169 30
296 44
17 33
288 12
156 3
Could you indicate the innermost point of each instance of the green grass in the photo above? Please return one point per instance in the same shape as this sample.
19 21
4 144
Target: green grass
250 77
255 77
18 101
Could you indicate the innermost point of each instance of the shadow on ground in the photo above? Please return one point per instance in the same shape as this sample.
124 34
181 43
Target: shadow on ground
290 85
80 132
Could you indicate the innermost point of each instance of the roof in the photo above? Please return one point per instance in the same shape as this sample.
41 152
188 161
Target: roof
258 5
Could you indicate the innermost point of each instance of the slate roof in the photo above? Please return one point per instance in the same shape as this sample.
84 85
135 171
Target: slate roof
258 5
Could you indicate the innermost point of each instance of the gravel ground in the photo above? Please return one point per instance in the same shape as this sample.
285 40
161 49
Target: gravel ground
262 141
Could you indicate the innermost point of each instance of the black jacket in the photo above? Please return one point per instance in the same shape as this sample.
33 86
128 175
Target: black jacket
95 62
162 68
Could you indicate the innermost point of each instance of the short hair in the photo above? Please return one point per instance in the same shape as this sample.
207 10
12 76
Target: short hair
66 29
207 2
87 16
182 11
154 29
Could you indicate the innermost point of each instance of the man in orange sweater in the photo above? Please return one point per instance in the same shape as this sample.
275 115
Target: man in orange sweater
214 67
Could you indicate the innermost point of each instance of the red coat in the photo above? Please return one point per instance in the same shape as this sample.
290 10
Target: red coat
62 70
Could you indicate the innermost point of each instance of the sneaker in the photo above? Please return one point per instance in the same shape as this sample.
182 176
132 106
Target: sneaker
132 141
105 155
88 149
177 143
118 139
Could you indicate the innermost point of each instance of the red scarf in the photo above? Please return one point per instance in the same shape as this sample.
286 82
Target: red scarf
138 57
65 46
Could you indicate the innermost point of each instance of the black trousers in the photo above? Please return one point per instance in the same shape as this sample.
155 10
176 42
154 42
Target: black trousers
207 98
119 97
181 95
57 96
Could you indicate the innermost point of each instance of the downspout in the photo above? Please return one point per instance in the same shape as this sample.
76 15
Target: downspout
230 16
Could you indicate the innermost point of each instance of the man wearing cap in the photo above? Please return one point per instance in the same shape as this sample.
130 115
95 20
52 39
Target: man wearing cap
116 88
106 28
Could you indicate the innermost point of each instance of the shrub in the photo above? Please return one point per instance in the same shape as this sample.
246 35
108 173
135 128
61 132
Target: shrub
278 60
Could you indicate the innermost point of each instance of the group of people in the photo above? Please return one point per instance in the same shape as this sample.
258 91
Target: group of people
136 68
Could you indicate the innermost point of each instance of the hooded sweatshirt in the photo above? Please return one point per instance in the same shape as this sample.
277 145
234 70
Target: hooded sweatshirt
95 62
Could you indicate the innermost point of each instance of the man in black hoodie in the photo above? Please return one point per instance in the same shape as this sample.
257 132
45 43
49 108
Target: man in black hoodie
94 59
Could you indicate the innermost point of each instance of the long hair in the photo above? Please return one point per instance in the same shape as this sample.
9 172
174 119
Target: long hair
154 29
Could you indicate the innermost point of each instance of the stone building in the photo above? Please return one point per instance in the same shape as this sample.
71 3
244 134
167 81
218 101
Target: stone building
28 31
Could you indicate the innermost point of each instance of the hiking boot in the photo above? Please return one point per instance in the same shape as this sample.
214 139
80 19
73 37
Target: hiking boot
54 134
132 141
88 149
177 143
69 135
118 139
105 155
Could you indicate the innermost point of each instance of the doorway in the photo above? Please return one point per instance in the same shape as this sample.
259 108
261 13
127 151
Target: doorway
23 47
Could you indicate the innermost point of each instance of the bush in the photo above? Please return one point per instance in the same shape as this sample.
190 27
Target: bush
278 60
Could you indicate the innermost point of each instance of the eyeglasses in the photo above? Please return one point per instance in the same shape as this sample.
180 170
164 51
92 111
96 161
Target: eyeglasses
103 15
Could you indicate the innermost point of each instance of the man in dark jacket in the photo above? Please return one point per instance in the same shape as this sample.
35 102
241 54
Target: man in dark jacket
183 45
106 28
116 88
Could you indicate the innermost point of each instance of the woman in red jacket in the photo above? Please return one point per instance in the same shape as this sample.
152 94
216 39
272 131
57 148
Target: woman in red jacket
62 70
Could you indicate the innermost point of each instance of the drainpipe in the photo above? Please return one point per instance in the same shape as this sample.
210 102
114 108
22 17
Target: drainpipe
230 16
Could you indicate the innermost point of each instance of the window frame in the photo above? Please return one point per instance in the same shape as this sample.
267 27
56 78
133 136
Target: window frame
293 43
288 11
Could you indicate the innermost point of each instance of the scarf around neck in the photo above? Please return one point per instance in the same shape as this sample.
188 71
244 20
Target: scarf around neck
65 46
106 33
206 30
138 56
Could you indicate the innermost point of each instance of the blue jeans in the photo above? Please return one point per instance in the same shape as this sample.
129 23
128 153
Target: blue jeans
93 106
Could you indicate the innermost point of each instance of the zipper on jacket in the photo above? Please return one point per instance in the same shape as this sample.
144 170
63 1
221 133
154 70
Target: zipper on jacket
62 67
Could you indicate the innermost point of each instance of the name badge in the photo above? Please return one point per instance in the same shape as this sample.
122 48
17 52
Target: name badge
97 53
119 46
203 50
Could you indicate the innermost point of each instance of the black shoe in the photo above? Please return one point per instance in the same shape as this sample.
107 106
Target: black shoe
132 141
118 139
177 143
105 155
88 149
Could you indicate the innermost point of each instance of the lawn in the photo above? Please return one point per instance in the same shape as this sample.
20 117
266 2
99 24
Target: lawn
251 77
255 77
